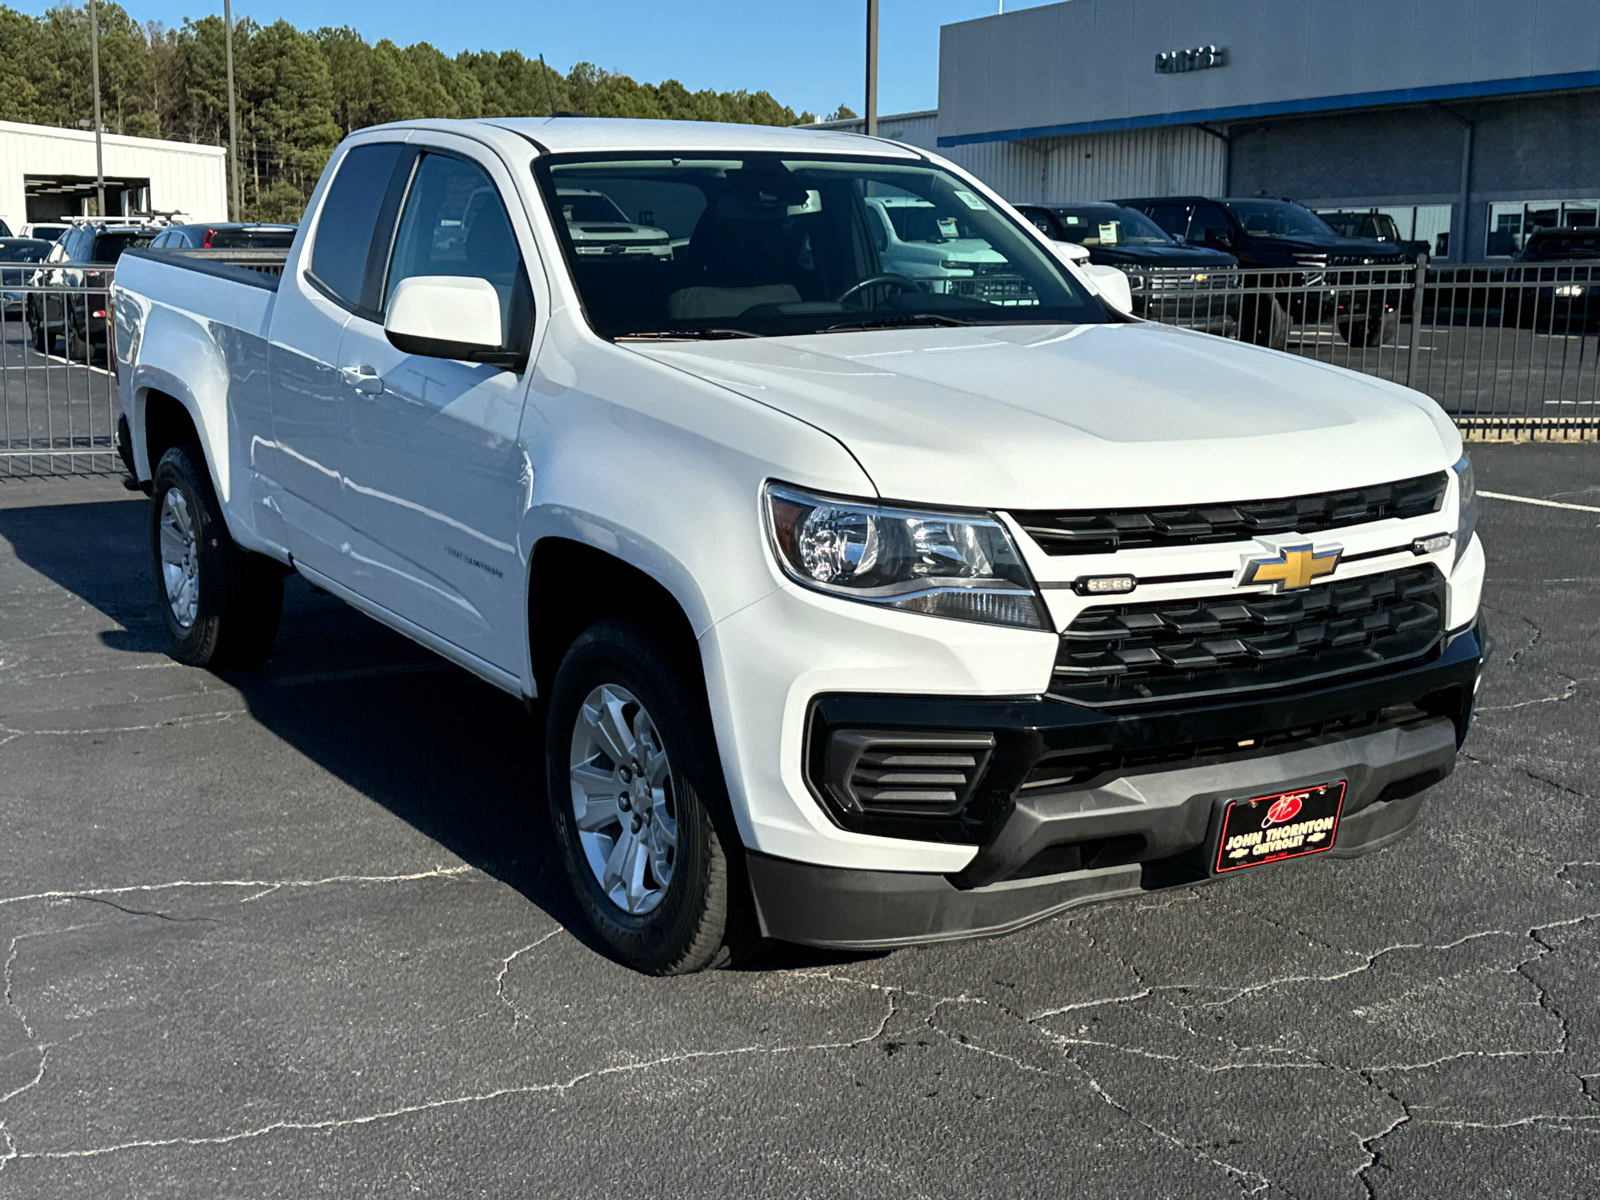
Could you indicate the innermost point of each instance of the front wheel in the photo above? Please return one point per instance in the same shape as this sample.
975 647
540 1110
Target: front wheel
638 805
221 603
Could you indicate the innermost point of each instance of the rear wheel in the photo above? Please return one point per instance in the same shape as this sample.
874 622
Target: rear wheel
638 804
221 603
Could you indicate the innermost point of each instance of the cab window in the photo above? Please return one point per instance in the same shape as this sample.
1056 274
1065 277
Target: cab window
349 218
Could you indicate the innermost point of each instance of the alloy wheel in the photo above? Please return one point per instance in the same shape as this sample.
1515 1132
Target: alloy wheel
180 562
622 799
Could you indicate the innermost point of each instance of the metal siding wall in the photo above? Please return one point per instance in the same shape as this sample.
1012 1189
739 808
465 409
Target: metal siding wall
183 177
1175 160
1172 161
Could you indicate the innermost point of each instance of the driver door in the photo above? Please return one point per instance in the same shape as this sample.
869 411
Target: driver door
435 479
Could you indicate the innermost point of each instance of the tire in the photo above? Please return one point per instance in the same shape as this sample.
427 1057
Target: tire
699 916
1367 332
1265 322
77 348
221 604
36 336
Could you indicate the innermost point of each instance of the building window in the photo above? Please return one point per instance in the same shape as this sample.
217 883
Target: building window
1512 221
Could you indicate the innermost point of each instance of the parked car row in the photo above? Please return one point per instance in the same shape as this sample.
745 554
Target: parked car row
65 297
1291 249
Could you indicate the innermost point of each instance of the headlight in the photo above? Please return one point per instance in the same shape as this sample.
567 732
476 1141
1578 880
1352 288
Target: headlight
960 565
1467 520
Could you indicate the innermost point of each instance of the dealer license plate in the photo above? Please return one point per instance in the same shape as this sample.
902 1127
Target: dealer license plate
1266 829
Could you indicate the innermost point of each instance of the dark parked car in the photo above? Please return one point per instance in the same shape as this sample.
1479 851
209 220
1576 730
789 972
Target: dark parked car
1380 227
1298 251
72 282
15 272
1196 295
225 235
1563 297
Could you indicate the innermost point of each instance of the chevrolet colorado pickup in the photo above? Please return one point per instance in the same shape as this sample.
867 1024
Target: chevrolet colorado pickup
858 613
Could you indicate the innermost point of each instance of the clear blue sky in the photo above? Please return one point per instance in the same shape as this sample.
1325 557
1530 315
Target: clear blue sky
807 53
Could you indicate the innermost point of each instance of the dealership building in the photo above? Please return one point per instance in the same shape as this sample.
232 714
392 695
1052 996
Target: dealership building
1470 121
48 174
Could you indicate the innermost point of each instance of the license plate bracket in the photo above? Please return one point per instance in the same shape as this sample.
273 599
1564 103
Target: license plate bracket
1277 826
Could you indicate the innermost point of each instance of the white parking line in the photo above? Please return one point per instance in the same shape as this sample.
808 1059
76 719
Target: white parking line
1540 503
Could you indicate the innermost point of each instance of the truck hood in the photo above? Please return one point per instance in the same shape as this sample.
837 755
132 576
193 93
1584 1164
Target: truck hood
1081 416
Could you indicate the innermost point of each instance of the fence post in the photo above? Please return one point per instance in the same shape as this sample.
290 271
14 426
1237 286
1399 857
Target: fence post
1418 282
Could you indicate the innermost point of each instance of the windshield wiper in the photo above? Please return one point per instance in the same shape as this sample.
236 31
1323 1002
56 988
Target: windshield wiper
908 321
680 335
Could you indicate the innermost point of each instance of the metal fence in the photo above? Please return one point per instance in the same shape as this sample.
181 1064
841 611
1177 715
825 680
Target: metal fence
58 394
1507 350
1512 349
58 399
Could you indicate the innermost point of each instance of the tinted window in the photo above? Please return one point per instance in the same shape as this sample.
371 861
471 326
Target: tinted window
251 239
1209 225
108 247
455 224
349 217
24 251
1174 218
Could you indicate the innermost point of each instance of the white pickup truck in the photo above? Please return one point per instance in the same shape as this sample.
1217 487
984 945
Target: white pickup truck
858 613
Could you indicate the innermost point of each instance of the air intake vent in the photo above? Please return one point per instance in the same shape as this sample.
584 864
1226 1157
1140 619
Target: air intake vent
928 774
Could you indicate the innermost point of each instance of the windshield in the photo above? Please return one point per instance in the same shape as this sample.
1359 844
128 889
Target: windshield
1276 218
24 252
760 244
1110 226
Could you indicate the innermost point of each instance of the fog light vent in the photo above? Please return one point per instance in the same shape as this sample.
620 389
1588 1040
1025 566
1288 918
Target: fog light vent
911 774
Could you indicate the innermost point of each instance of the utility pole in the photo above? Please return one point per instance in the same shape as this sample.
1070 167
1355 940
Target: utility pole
94 71
872 68
233 114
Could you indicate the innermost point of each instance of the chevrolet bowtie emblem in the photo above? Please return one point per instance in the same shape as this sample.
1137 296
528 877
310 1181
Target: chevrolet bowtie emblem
1293 567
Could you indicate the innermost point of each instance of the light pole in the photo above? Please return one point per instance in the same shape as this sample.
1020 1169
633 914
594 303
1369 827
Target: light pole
94 72
233 115
872 68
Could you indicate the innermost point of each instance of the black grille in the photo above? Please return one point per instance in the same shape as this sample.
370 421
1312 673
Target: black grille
1181 649
912 774
1104 531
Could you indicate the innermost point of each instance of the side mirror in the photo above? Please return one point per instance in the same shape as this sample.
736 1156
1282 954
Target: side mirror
1072 252
1112 285
447 316
1220 239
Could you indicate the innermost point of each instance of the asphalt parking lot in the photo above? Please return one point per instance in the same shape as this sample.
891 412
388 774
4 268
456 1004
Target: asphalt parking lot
298 932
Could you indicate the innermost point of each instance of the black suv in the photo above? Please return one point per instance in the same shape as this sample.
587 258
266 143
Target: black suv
1197 296
72 283
1298 250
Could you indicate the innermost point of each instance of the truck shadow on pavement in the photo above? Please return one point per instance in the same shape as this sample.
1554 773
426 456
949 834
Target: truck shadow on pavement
458 760
453 757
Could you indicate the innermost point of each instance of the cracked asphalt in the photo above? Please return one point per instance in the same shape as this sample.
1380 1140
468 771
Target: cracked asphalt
298 932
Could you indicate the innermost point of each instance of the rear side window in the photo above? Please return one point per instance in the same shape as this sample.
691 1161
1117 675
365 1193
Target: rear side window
349 217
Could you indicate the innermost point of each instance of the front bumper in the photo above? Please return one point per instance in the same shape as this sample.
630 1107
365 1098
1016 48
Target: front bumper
1144 823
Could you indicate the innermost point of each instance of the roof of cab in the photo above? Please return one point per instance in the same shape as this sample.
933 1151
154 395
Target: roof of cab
560 135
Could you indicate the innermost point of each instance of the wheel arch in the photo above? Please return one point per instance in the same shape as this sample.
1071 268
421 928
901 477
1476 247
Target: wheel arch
573 584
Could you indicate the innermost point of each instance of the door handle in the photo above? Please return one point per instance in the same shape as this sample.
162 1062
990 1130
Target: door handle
364 379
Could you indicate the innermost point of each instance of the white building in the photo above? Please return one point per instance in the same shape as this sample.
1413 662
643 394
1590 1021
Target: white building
48 173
